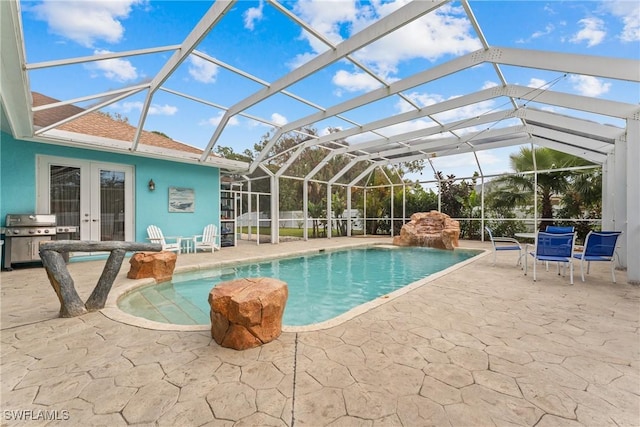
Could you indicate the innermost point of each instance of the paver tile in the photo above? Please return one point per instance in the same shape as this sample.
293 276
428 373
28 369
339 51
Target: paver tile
62 388
260 419
368 402
272 403
189 413
330 374
319 407
501 408
450 374
421 411
139 376
232 401
261 375
594 371
469 358
497 382
439 392
549 397
151 402
106 397
484 340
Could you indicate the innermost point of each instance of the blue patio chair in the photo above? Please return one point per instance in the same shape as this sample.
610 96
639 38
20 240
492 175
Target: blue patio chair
551 247
504 244
559 229
599 246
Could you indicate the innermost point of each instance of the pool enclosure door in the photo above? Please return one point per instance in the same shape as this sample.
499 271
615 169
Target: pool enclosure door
95 197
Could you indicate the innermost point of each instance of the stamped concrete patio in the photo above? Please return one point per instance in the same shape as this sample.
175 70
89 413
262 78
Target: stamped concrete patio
479 346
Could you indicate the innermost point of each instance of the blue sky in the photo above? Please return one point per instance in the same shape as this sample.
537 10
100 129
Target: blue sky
260 40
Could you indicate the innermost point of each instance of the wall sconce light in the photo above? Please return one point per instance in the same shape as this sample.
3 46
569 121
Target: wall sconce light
152 185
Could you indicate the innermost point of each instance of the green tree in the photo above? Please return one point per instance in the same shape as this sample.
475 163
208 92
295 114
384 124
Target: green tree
338 206
316 211
517 190
416 199
460 200
583 200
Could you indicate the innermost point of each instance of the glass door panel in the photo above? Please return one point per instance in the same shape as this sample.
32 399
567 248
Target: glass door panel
112 204
65 196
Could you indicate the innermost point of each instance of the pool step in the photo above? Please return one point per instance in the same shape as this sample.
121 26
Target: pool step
163 304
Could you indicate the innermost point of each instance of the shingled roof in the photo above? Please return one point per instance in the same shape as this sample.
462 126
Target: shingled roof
99 124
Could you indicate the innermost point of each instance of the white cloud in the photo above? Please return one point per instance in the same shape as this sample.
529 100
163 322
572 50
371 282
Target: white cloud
162 110
354 82
547 30
589 86
489 84
443 32
466 162
326 130
431 37
629 13
279 119
301 59
215 120
202 70
86 22
465 112
127 107
422 99
592 32
252 15
154 109
327 17
116 69
536 83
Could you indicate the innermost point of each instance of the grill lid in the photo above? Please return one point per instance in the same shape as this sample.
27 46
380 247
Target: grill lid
30 220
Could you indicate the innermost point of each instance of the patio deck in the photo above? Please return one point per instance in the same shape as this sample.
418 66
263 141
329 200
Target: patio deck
480 346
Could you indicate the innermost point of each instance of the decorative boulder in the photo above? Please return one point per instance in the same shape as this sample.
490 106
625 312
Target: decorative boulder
159 265
246 313
432 229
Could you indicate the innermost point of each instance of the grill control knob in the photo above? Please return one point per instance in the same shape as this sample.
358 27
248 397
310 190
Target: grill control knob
16 231
32 231
46 231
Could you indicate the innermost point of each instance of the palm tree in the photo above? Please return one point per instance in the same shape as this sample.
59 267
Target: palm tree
517 190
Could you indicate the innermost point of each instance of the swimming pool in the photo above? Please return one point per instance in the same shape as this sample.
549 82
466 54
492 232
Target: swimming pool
322 285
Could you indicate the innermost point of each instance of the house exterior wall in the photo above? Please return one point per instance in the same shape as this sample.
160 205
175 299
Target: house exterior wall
18 166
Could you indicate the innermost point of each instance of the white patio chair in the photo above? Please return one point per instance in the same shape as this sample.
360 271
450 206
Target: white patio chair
156 236
207 240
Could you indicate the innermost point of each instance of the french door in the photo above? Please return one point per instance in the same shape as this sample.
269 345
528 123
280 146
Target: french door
94 197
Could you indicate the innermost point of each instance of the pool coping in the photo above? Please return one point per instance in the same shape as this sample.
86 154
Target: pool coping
113 312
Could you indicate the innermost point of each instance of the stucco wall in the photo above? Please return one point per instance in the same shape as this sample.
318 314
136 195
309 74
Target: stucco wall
18 186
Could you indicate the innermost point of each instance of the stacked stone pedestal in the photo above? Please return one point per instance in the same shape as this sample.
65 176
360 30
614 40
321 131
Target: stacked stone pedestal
159 265
246 313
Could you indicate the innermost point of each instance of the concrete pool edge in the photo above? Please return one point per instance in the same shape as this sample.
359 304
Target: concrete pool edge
113 312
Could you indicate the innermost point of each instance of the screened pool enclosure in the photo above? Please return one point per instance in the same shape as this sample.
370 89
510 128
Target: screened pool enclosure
377 95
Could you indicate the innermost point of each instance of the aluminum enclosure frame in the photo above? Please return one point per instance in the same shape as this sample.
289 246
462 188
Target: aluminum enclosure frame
617 149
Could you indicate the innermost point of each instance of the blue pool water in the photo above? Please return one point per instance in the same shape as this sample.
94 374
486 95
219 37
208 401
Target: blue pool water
321 286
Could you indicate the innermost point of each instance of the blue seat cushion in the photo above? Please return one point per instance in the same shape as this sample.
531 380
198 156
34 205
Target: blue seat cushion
551 258
593 257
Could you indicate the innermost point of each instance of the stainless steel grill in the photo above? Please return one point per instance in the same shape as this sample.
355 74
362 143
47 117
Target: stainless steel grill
23 235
